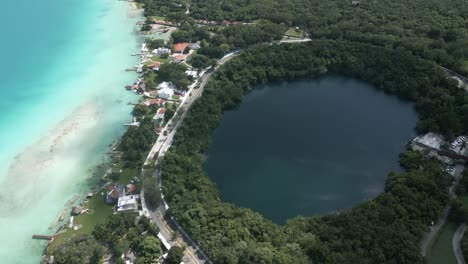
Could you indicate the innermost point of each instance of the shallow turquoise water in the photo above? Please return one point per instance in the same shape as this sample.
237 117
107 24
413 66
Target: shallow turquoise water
309 147
63 102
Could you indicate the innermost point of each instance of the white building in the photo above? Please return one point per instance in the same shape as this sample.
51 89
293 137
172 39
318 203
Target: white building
165 90
161 51
164 85
127 204
194 74
429 140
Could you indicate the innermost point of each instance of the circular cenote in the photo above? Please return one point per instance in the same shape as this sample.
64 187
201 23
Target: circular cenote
308 147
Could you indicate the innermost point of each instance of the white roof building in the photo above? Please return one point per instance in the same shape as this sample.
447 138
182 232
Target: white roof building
430 140
128 203
165 85
161 51
194 74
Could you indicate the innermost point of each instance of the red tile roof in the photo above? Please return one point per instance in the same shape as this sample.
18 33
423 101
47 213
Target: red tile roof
161 111
180 47
154 64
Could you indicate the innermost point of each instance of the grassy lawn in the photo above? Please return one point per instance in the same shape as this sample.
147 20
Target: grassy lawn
441 251
292 32
158 18
99 212
157 58
127 175
175 97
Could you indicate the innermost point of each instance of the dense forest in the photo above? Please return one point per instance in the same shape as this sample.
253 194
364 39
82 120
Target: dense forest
386 229
435 30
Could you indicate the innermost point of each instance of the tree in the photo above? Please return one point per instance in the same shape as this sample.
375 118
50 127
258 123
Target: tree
179 36
79 249
175 255
154 43
149 248
140 110
168 115
152 193
412 160
199 61
175 73
458 212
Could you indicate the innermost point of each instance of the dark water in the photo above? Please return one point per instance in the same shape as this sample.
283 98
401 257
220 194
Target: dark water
309 147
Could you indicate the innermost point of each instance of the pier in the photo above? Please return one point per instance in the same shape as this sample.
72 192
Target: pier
43 237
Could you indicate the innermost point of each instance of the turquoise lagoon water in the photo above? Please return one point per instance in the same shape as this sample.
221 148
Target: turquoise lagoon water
62 103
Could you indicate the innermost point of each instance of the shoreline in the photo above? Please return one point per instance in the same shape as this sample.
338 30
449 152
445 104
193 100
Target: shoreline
133 12
54 172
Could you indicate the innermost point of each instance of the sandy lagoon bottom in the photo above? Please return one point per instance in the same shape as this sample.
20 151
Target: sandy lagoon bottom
86 108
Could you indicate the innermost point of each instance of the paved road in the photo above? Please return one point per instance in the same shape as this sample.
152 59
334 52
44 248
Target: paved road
457 174
295 40
443 218
168 226
457 237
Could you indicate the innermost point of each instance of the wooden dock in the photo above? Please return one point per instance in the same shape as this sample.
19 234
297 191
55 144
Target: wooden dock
43 237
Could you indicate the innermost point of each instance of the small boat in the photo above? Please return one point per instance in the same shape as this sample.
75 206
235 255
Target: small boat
128 87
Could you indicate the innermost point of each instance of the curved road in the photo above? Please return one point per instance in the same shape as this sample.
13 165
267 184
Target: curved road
170 230
457 237
443 218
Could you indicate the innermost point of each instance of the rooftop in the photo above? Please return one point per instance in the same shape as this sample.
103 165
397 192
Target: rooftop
431 140
180 47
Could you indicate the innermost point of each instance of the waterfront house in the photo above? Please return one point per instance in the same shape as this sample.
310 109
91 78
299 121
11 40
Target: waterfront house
128 204
114 192
76 210
158 118
180 47
161 51
154 65
158 102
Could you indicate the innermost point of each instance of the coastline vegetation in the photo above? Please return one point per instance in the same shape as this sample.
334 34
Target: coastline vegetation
434 30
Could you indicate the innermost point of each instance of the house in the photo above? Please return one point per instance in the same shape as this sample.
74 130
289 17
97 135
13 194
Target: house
158 102
161 51
114 192
128 204
165 85
180 47
154 65
179 58
130 188
77 210
166 93
158 118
